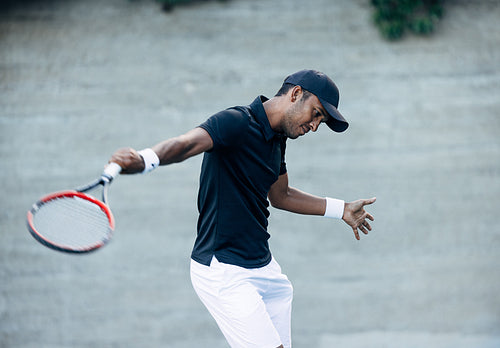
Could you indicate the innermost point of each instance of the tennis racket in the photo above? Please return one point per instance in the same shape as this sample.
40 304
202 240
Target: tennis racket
73 221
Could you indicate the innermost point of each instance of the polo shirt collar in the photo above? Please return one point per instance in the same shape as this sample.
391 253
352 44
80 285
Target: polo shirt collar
258 111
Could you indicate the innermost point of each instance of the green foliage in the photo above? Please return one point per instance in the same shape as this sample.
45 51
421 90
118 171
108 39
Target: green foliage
393 17
168 5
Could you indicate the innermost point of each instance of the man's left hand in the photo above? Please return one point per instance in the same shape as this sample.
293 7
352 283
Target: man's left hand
356 216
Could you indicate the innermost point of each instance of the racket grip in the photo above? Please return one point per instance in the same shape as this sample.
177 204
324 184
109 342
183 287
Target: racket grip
111 171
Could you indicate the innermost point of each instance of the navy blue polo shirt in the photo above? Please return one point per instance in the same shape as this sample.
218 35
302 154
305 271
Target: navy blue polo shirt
236 175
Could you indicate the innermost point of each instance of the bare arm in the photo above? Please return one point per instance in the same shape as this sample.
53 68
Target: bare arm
172 150
288 198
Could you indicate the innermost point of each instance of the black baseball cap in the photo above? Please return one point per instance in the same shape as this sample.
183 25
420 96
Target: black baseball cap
328 94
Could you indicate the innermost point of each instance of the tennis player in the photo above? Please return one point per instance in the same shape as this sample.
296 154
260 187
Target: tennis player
232 269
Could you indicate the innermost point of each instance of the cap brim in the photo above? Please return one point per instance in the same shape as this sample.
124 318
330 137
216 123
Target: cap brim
336 122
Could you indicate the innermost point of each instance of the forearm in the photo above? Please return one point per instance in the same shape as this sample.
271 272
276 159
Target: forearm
173 150
182 147
297 201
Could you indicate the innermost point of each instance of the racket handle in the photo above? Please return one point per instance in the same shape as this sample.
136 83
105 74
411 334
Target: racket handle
111 171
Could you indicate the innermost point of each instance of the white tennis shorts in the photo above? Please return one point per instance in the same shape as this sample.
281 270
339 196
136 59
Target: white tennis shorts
251 306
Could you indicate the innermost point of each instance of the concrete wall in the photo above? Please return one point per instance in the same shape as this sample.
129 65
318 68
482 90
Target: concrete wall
79 79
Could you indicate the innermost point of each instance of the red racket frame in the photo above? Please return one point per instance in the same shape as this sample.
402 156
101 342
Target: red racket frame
69 193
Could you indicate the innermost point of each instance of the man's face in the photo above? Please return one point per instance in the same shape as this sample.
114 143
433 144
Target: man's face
302 116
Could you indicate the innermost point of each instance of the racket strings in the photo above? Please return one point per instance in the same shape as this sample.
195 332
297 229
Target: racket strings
72 222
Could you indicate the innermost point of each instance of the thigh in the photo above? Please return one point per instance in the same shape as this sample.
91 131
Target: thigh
278 300
236 305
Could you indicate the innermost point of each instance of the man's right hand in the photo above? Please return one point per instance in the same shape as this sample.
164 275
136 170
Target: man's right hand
129 159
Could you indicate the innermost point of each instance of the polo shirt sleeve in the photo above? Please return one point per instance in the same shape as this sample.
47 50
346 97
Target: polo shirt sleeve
227 128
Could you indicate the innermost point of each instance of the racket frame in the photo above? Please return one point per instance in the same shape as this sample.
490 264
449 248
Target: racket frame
106 177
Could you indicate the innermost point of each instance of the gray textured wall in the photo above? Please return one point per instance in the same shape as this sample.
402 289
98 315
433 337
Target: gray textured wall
79 79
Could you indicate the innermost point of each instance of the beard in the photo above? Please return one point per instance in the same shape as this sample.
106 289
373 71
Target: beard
289 131
288 124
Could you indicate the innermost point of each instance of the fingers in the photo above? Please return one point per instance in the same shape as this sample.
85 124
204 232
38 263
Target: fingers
368 201
130 161
356 233
364 227
357 216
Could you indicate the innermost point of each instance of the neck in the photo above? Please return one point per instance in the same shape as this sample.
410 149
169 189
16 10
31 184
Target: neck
273 108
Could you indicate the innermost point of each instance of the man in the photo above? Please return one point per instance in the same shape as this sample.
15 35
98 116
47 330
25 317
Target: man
232 269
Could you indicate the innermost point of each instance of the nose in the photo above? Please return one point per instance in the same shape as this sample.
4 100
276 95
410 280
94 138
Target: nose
314 125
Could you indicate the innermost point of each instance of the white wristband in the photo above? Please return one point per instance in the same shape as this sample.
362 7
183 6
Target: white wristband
334 208
151 160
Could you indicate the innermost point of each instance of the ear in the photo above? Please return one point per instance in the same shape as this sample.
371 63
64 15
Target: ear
295 93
